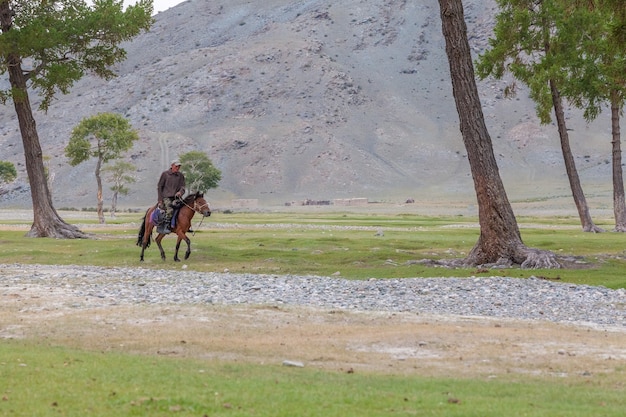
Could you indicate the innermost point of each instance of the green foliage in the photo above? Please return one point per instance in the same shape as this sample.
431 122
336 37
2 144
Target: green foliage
200 174
120 174
528 42
47 380
104 136
570 43
7 172
597 61
64 39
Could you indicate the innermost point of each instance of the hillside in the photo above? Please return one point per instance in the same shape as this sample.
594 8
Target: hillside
312 99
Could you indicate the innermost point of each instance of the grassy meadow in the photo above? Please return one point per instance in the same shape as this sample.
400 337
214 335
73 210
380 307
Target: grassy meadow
349 245
40 379
51 381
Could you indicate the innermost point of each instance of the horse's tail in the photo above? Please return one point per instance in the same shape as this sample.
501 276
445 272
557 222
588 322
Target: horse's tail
142 232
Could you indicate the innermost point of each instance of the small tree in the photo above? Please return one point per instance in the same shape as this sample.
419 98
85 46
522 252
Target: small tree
119 175
200 174
103 136
7 172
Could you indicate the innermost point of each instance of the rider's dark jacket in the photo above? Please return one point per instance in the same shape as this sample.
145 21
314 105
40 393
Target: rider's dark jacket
170 183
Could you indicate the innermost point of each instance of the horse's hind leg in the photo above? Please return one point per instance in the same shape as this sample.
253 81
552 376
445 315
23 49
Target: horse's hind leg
144 244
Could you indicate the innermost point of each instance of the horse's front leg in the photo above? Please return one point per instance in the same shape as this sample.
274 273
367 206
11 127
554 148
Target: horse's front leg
158 240
182 237
188 247
177 247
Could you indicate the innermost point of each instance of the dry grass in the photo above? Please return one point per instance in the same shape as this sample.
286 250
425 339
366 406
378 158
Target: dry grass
399 343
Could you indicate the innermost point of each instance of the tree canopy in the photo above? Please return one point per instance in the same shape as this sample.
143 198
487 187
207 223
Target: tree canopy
200 174
65 39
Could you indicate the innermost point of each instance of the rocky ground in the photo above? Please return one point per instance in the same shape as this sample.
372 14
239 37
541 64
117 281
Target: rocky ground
474 328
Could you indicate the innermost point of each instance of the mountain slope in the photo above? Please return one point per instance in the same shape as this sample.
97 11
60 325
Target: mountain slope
309 99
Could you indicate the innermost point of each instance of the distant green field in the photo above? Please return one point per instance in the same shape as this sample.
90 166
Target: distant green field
353 246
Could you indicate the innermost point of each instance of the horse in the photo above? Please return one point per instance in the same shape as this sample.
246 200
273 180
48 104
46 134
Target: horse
190 205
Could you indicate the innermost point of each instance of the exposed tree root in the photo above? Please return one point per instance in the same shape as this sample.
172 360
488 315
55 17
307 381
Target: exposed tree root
524 257
539 259
56 230
592 228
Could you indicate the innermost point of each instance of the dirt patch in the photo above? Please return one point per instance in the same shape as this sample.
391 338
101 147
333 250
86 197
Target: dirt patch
398 343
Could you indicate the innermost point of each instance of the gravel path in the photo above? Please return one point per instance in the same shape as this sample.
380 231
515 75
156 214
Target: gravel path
533 299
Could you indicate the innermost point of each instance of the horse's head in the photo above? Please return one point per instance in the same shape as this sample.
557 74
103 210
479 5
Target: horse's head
200 205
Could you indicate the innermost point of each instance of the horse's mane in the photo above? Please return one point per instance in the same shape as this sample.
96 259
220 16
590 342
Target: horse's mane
192 197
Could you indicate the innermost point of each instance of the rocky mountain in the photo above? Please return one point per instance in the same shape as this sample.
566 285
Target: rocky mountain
308 99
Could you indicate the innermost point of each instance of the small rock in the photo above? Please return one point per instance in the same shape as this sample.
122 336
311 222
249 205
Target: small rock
293 363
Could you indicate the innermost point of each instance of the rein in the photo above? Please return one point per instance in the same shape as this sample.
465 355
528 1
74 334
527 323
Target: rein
197 211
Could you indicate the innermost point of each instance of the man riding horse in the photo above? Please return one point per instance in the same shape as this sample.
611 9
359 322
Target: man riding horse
171 186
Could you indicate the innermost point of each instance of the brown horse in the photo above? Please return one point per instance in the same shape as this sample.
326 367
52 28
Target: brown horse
190 205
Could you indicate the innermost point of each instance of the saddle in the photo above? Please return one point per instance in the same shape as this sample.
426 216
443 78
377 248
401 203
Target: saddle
158 218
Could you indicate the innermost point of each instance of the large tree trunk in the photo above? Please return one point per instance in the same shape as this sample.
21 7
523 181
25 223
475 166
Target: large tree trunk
500 238
47 222
619 203
570 164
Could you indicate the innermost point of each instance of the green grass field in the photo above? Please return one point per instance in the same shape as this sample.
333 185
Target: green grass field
349 245
36 380
41 380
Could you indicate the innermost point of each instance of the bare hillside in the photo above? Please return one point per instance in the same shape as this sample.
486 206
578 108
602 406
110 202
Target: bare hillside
310 99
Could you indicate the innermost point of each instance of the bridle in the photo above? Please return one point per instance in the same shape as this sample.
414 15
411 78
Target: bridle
197 210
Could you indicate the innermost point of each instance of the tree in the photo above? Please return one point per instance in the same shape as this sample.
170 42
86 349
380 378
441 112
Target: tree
597 68
46 46
200 174
103 136
499 239
529 44
8 172
119 175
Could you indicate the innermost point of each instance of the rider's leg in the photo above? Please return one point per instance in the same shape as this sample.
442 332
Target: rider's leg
169 212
